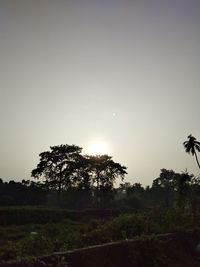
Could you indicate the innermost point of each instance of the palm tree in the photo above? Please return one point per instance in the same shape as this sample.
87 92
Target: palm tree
191 146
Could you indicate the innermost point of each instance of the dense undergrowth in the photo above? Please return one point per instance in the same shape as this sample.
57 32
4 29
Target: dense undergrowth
17 241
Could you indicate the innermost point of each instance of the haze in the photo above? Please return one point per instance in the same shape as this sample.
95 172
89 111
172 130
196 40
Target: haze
125 73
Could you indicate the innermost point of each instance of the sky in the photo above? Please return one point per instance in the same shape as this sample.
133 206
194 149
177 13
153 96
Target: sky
123 76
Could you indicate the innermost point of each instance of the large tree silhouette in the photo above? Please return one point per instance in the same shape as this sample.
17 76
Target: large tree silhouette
104 172
57 166
64 168
191 146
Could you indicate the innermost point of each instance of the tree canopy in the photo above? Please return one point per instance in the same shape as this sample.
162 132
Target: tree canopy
64 167
191 146
58 165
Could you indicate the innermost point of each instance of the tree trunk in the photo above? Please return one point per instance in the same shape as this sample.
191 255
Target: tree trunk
98 189
59 188
197 159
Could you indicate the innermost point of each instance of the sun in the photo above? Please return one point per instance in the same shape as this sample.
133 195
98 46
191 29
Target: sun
98 148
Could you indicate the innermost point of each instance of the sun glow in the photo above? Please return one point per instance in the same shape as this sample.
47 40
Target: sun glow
98 148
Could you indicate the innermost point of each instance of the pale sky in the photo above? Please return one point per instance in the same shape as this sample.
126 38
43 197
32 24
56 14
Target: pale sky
124 73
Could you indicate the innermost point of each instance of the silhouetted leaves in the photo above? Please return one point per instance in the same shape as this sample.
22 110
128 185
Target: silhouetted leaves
64 168
191 146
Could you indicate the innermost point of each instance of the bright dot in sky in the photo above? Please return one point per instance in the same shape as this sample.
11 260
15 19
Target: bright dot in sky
98 148
114 114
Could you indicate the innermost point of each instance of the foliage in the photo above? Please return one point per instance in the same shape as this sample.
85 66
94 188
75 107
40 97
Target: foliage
76 181
24 193
168 190
191 146
38 239
64 168
57 166
100 213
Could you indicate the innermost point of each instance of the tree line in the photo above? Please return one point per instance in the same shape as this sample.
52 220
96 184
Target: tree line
78 181
169 189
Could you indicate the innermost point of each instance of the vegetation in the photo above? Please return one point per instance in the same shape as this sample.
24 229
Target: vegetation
170 189
191 146
64 168
78 204
39 239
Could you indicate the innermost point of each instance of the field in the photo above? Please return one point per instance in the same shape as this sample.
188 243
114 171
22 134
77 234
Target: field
25 235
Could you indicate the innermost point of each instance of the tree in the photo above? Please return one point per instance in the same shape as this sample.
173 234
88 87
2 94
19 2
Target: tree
104 172
164 186
57 166
166 179
191 146
136 189
81 175
64 168
183 181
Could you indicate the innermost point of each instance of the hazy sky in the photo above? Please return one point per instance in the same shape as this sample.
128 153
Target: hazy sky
125 73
